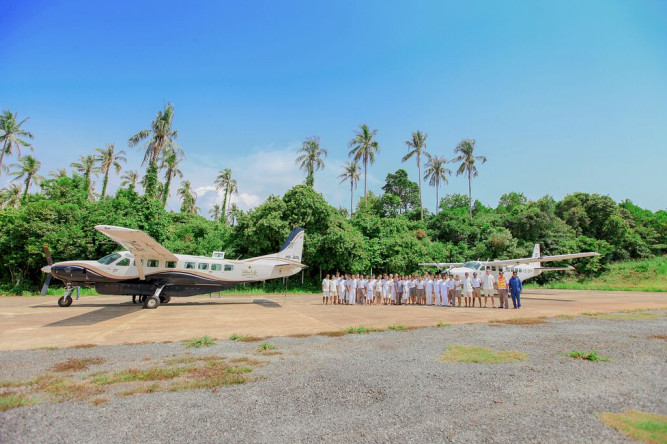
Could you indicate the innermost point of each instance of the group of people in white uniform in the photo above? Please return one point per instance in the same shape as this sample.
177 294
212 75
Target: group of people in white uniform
437 290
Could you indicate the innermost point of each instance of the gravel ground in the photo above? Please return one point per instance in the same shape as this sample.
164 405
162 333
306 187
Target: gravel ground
375 387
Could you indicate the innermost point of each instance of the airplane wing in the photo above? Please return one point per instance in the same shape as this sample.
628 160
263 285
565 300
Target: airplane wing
141 245
441 264
528 260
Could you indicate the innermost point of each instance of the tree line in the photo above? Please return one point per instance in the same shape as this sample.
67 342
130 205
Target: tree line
388 232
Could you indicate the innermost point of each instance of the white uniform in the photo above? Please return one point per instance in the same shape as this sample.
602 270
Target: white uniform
353 292
341 288
325 287
406 289
370 284
436 291
444 288
487 284
428 286
333 288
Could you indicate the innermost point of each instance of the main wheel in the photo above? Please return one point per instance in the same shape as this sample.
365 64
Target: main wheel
143 298
165 299
65 301
152 302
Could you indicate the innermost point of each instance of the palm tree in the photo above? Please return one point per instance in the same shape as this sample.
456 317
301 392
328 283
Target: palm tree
466 155
418 147
311 158
12 135
10 196
225 182
215 212
129 179
27 170
351 172
109 158
59 173
159 138
364 149
435 173
86 167
188 198
172 158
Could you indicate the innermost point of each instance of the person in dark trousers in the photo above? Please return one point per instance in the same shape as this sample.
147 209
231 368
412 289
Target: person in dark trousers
515 289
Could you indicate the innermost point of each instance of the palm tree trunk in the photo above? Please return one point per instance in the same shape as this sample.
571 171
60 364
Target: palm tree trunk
165 192
27 185
351 194
223 217
469 195
104 183
421 206
2 155
437 202
365 173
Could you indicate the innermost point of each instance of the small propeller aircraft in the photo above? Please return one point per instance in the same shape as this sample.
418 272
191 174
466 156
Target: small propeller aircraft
150 271
526 268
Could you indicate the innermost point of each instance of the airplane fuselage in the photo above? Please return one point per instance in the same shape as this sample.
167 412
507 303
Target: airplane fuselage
524 271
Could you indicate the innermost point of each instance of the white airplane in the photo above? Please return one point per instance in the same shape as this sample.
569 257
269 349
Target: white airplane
526 268
151 271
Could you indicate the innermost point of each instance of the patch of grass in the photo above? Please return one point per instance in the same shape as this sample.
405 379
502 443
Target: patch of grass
647 427
213 376
332 334
590 356
399 328
637 314
300 335
150 374
663 337
443 324
63 389
99 401
480 355
49 348
76 364
14 400
522 321
192 359
142 390
265 347
597 313
361 330
245 338
204 341
566 316
84 346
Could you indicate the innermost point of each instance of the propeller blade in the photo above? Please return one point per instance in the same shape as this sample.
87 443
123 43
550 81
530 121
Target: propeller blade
47 253
45 287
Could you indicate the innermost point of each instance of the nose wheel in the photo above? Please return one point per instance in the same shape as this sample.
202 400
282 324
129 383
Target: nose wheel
65 301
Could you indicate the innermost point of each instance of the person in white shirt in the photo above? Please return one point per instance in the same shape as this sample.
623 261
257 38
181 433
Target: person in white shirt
428 289
488 283
436 290
476 289
351 299
361 289
444 291
341 290
458 288
467 289
333 290
370 286
378 290
407 288
325 290
451 290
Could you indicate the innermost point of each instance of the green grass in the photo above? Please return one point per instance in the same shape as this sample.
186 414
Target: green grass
360 330
14 400
590 356
637 275
647 427
399 327
265 347
204 341
480 355
150 374
638 314
443 324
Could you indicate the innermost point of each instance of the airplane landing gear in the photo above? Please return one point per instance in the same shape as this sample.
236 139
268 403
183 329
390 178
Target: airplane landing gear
153 302
66 299
165 299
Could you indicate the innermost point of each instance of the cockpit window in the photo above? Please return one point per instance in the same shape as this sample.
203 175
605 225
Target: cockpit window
109 259
123 262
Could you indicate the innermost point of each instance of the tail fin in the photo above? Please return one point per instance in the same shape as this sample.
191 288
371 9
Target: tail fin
536 254
293 246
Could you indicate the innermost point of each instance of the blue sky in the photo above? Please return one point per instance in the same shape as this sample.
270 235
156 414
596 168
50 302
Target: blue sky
561 96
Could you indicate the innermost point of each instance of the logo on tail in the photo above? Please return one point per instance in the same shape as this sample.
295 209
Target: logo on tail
293 246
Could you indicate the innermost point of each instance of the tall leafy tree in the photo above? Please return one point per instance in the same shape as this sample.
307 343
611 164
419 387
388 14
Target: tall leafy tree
215 212
417 147
170 162
399 184
12 135
87 167
28 168
157 140
364 147
436 172
310 159
59 173
10 196
351 173
129 179
108 158
224 182
188 198
465 151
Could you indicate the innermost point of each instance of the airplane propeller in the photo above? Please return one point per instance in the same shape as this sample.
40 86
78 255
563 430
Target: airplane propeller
47 269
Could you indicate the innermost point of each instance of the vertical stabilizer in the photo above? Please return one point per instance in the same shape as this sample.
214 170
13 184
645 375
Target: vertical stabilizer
536 254
293 246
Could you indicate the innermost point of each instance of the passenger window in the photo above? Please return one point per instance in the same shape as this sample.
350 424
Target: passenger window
493 268
215 267
203 266
123 262
229 267
152 263
170 264
189 265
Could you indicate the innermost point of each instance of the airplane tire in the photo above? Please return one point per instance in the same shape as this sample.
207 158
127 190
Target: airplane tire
65 301
165 299
152 303
143 298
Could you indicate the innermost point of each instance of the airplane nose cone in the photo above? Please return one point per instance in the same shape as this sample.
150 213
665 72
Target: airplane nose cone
46 269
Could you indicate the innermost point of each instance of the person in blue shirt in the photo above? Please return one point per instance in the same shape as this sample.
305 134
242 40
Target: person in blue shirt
515 289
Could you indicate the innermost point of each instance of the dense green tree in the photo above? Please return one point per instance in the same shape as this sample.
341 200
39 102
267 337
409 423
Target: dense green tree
311 158
27 170
188 198
10 195
466 156
215 212
13 135
401 186
417 147
87 167
364 147
108 158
